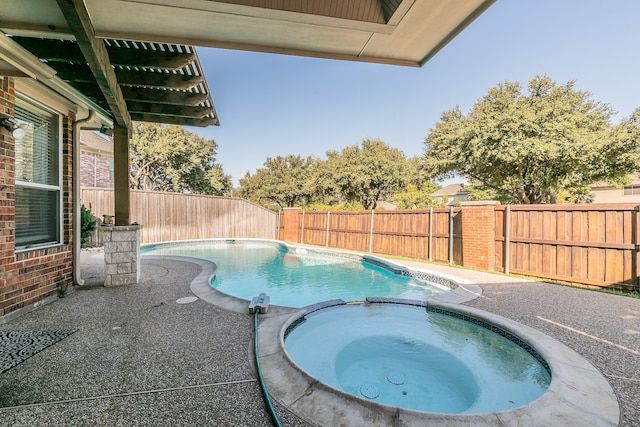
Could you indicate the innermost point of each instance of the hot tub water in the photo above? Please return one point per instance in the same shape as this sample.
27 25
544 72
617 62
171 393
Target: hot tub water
404 356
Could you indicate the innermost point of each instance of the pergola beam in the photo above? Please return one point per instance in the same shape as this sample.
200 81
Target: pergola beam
168 110
159 80
54 50
150 58
97 57
174 120
146 94
81 73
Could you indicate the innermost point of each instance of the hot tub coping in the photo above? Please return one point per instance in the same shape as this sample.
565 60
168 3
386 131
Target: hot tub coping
578 393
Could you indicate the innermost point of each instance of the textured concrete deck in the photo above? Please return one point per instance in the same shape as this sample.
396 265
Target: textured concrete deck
141 358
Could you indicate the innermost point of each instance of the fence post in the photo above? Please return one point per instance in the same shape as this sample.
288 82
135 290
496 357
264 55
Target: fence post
430 238
371 233
507 238
450 234
635 258
302 232
328 220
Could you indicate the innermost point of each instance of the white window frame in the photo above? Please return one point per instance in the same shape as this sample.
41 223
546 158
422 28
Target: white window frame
58 187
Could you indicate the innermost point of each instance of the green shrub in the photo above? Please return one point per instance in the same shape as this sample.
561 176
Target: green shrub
88 225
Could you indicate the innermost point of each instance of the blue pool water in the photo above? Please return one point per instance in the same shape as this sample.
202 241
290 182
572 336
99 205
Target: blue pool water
405 356
296 278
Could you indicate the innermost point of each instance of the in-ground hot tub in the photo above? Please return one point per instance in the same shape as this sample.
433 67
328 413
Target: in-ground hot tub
547 383
416 357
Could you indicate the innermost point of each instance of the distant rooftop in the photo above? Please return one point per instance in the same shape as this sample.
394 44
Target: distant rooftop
95 142
449 190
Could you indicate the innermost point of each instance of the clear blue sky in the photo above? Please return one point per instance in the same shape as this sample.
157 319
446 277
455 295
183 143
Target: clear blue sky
272 105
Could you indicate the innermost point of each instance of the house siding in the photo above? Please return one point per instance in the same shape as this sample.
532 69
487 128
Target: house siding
31 276
613 195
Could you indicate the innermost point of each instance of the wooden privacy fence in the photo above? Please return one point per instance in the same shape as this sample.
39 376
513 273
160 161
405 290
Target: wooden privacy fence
176 216
593 244
422 234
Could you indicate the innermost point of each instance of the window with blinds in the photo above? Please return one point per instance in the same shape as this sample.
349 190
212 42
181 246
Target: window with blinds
38 189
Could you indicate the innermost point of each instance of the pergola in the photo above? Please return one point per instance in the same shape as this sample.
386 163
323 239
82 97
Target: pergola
135 60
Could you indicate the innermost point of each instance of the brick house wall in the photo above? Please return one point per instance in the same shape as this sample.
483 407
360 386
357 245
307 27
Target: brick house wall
31 276
95 170
96 160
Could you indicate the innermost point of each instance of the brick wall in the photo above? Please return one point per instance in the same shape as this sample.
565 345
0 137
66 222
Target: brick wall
95 170
478 229
30 276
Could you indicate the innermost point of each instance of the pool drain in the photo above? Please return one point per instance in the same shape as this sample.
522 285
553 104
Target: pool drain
396 377
369 391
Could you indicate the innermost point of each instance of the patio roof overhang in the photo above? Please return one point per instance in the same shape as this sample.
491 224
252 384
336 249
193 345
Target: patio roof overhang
404 32
135 60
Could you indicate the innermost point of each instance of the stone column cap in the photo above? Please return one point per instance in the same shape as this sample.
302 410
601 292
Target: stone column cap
132 227
480 203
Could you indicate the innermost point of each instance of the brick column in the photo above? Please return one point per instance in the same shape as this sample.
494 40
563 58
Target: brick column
290 225
121 254
7 187
478 235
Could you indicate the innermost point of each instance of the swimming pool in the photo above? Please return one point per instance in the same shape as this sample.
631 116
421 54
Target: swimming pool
297 277
411 357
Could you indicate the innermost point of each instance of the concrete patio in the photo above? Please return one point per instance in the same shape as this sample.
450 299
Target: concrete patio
141 358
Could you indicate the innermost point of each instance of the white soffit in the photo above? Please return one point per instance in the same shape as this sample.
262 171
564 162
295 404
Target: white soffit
411 35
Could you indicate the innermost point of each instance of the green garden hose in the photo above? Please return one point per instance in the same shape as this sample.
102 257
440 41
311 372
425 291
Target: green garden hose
263 386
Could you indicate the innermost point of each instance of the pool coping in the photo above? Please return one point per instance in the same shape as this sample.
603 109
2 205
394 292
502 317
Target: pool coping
578 393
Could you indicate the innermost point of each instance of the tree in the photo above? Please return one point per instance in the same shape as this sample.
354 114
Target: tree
417 198
419 176
284 181
170 158
532 146
417 193
364 174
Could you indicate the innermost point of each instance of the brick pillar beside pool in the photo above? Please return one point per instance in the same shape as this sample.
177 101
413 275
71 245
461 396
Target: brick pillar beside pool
478 229
121 254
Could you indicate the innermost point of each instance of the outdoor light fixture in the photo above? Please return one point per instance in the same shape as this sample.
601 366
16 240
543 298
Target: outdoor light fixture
106 130
16 129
